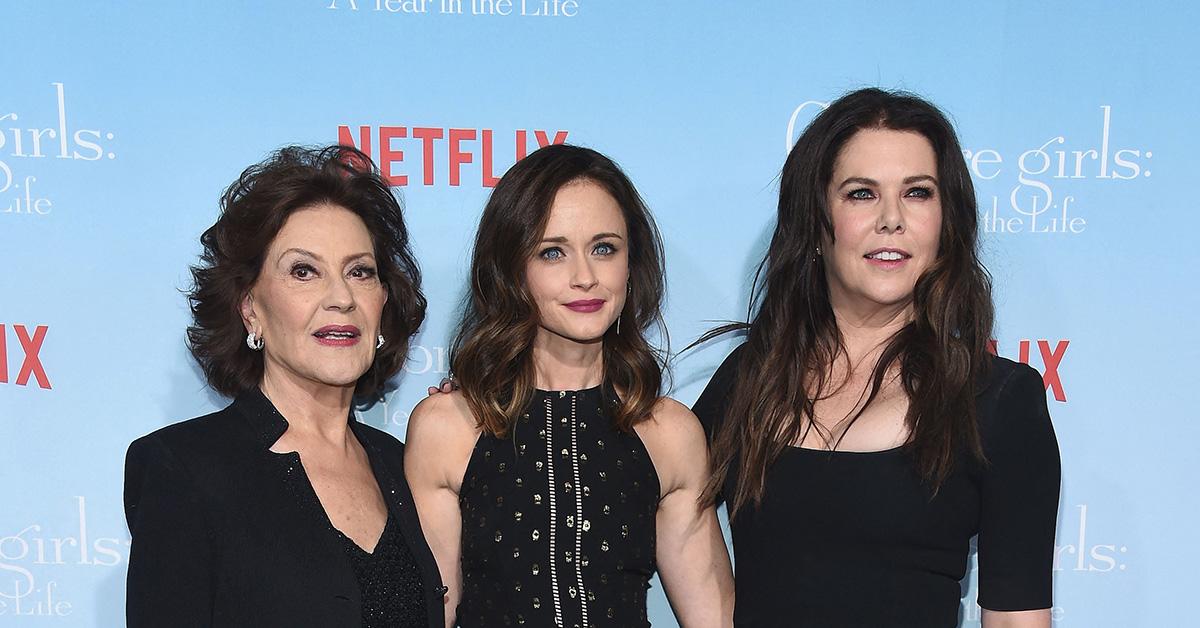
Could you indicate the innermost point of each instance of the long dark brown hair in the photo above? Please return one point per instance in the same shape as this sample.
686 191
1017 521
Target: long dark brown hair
253 210
792 337
492 353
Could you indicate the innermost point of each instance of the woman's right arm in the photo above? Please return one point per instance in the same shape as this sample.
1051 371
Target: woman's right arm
437 449
170 558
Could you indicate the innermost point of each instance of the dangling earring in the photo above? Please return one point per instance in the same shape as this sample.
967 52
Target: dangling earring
818 255
254 341
379 342
618 324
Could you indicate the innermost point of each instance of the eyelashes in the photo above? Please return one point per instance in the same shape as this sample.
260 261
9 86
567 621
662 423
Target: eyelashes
555 253
866 194
305 271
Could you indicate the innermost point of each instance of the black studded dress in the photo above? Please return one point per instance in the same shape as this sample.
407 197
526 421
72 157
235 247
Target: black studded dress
558 520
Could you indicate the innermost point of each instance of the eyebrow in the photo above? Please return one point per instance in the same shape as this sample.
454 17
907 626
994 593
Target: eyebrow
873 182
598 236
308 253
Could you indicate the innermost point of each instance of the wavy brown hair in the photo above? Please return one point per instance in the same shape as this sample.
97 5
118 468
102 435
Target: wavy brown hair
253 210
793 338
492 353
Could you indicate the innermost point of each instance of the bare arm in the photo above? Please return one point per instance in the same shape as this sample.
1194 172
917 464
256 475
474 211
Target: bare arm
438 446
1016 619
693 561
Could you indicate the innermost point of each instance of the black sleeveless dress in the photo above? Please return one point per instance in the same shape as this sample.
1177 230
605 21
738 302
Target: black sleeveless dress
558 520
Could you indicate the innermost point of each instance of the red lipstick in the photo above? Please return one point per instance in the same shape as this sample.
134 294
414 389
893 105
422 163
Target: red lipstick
338 335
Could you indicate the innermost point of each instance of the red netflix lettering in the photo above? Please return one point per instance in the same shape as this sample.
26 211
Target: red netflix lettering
427 135
458 157
389 155
3 356
489 180
1051 359
31 366
461 150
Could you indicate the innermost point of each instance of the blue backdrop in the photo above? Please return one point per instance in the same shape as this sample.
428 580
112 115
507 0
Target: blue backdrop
120 123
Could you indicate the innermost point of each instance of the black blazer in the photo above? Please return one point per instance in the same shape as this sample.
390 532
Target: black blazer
219 538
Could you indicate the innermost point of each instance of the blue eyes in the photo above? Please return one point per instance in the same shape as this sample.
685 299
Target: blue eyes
554 253
866 194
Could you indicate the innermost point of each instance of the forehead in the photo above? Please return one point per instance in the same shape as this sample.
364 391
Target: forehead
323 227
879 152
586 208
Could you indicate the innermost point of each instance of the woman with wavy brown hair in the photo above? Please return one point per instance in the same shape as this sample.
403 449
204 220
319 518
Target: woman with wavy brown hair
282 509
555 481
863 434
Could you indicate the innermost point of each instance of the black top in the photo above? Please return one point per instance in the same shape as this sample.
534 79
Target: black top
558 520
857 539
389 579
225 533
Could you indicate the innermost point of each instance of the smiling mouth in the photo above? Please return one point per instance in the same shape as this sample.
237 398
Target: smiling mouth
887 256
337 335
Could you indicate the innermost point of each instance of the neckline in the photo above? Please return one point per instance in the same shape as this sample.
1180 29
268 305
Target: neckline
848 452
561 393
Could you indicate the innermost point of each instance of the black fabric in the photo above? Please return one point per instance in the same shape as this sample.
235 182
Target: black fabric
389 579
847 539
221 539
601 522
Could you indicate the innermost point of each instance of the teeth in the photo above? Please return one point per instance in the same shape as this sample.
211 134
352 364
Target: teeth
887 256
336 334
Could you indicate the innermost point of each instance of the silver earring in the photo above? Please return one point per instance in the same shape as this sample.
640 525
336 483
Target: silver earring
818 251
618 324
254 341
379 342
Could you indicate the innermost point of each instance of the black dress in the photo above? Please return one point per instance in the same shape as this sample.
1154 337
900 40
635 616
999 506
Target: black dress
856 539
226 533
558 520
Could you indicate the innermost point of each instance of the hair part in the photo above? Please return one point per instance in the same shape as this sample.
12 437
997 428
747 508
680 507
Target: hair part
253 210
492 353
792 335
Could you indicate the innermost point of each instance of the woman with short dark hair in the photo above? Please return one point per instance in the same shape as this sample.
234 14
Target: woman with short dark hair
282 509
863 434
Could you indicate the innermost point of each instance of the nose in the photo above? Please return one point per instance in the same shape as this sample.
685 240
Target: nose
891 216
338 295
583 276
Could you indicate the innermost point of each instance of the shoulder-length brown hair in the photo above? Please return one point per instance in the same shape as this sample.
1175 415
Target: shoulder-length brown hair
253 210
492 353
793 337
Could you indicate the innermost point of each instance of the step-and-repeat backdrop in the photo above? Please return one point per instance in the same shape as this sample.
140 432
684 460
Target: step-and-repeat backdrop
120 124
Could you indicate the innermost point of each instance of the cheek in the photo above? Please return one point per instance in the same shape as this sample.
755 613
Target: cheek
539 280
284 310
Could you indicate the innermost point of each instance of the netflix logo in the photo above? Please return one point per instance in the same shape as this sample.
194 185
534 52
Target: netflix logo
1051 355
435 155
30 344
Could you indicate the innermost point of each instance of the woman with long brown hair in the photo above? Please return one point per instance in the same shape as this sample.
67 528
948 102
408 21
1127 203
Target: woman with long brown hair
555 481
863 434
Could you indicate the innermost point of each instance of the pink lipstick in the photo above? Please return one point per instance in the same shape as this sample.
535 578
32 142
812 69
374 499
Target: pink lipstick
586 306
887 258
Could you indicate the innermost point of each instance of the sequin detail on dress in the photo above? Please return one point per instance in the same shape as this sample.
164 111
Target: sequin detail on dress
558 521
